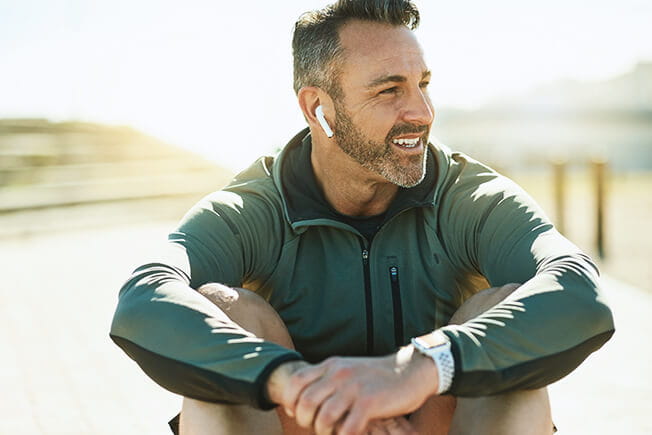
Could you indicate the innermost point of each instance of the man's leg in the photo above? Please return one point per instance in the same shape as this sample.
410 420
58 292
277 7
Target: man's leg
519 412
255 315
522 412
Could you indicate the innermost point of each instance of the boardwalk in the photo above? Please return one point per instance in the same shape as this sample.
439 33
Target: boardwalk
60 374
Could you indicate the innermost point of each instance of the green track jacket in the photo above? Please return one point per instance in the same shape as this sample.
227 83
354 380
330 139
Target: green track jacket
464 228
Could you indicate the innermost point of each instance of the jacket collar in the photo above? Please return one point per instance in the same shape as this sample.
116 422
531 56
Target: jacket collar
304 201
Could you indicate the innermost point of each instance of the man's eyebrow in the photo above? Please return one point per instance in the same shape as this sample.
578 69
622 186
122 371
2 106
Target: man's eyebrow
387 79
395 78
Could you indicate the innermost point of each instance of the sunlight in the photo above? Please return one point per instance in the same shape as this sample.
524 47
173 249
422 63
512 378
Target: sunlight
216 77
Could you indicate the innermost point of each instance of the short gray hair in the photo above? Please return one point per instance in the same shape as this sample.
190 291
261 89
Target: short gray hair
316 44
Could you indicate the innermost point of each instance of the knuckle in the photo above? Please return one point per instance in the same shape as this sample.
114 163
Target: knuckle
366 401
328 417
343 372
309 401
334 363
301 376
303 416
296 380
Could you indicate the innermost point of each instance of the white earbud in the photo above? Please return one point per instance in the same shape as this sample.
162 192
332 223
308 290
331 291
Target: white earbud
319 113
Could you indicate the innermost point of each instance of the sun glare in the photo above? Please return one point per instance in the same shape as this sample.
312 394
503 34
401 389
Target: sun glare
212 80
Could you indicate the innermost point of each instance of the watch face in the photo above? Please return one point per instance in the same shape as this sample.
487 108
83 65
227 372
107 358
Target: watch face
432 340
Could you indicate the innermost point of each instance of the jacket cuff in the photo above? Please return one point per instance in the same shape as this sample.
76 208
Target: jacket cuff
262 400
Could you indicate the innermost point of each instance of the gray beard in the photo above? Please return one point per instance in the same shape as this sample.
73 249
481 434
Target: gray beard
380 157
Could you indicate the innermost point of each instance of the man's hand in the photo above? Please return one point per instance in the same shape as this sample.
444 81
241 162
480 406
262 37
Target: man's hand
343 395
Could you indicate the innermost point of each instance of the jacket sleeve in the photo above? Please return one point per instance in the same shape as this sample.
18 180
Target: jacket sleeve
178 337
549 325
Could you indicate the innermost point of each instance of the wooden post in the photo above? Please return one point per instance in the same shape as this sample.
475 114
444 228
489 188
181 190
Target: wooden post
559 181
599 174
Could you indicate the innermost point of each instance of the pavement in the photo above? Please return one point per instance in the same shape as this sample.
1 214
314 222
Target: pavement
61 374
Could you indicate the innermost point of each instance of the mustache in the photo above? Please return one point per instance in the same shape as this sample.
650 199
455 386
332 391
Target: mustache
400 129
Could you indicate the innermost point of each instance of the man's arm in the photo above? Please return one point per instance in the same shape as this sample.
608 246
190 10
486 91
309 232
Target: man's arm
179 338
550 324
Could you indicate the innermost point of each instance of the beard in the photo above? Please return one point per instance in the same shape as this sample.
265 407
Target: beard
381 157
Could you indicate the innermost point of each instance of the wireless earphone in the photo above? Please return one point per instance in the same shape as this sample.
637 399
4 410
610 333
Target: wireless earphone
319 113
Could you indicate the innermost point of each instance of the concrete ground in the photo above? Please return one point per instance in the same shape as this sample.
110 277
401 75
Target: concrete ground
61 374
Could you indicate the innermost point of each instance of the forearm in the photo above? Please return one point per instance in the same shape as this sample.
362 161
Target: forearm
187 344
537 335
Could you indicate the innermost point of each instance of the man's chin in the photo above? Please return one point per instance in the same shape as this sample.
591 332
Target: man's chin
411 183
408 175
405 179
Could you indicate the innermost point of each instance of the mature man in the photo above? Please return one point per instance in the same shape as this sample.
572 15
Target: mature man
364 250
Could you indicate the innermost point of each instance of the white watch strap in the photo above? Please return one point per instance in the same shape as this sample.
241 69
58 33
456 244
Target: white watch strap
445 368
437 346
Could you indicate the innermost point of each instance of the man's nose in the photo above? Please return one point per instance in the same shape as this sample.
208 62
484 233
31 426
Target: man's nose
419 109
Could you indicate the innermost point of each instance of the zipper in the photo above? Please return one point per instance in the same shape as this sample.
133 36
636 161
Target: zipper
396 294
368 301
398 309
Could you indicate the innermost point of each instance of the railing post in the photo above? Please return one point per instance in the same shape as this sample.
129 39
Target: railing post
559 181
599 173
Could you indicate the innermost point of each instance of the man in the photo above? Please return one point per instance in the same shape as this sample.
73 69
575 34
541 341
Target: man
364 250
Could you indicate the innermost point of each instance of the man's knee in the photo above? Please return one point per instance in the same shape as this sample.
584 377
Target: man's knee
203 418
248 310
481 302
526 411
518 412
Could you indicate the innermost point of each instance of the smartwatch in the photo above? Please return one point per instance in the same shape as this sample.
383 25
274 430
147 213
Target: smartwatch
437 346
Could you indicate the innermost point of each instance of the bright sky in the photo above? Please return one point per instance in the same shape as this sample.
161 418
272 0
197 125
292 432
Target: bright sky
215 76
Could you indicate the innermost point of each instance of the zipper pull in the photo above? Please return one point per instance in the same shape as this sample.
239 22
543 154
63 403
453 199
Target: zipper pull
393 273
365 255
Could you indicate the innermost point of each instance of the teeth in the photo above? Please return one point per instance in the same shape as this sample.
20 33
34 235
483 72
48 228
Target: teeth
408 143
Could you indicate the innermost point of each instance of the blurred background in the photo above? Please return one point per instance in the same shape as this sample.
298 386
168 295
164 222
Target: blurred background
116 116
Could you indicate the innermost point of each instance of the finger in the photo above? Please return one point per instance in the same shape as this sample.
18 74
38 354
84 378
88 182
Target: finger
399 426
355 421
299 380
376 427
331 413
391 427
310 400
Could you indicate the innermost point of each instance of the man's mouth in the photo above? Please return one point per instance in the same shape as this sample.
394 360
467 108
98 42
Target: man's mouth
407 143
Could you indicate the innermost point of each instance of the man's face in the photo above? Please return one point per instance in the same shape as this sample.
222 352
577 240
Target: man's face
383 119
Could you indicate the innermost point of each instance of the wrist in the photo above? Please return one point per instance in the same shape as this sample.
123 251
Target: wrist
436 347
422 369
278 378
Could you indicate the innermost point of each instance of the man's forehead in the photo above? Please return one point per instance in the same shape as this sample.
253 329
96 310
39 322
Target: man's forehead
377 47
369 37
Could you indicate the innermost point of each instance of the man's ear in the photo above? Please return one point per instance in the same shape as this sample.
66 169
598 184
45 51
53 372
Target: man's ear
310 98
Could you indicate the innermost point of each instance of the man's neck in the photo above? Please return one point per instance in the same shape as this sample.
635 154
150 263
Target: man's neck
349 188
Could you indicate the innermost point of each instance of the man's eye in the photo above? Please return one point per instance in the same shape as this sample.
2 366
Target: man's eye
389 90
424 85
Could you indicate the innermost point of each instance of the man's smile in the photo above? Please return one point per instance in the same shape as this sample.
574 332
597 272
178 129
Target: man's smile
411 144
407 143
